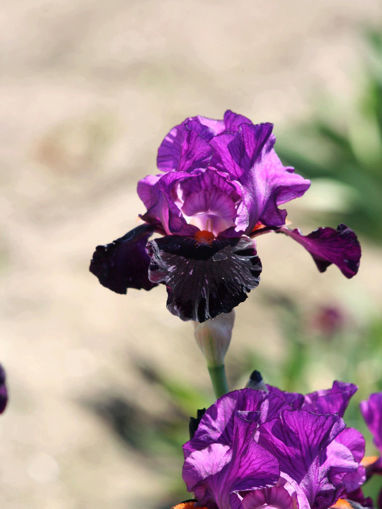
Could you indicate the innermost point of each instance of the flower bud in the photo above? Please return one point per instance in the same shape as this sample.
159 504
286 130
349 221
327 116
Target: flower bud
214 336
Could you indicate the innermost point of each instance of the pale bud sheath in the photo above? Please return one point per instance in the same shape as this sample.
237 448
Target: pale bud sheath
214 336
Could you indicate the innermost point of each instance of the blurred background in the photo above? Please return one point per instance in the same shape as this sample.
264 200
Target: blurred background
101 385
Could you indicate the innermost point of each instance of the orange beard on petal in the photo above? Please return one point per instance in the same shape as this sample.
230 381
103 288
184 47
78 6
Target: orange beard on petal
258 226
341 504
368 460
187 505
204 237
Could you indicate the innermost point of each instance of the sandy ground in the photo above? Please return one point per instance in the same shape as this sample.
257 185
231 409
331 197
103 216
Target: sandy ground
87 91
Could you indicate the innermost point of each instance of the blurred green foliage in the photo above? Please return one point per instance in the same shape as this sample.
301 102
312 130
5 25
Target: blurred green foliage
342 144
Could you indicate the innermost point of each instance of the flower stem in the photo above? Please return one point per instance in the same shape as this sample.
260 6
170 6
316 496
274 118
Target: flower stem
218 379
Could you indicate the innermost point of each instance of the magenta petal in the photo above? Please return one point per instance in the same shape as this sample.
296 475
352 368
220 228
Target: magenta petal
219 470
185 147
328 246
273 184
156 192
372 413
299 441
276 497
233 121
217 423
248 156
343 460
330 401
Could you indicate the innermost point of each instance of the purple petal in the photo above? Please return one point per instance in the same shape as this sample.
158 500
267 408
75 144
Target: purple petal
299 441
211 202
3 390
239 151
186 146
276 497
330 401
248 155
328 246
217 423
157 193
204 280
372 413
233 121
217 471
343 461
124 263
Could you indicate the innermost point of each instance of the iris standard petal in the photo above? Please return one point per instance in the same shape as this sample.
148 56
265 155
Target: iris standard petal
186 146
124 263
204 280
217 471
330 401
217 422
298 440
327 246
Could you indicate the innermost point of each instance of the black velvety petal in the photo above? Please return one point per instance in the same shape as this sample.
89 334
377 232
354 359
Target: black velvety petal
124 263
3 390
204 280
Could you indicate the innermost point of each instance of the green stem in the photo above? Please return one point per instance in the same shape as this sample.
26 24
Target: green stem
218 379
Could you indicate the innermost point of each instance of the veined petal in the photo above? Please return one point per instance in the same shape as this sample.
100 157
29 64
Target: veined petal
217 471
204 280
186 146
298 440
124 263
217 422
330 401
327 246
276 497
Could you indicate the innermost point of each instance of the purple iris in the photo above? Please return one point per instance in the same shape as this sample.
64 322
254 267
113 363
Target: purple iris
275 449
221 184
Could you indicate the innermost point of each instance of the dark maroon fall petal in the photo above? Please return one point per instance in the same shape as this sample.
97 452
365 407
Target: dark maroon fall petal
3 390
327 246
124 263
204 280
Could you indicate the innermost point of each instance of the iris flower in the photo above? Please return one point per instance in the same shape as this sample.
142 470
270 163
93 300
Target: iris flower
221 184
256 449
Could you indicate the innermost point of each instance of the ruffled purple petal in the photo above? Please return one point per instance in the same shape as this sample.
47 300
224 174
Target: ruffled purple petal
276 497
217 423
344 455
124 263
204 280
330 401
186 146
299 440
371 410
217 471
3 390
327 246
232 121
248 155
157 193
